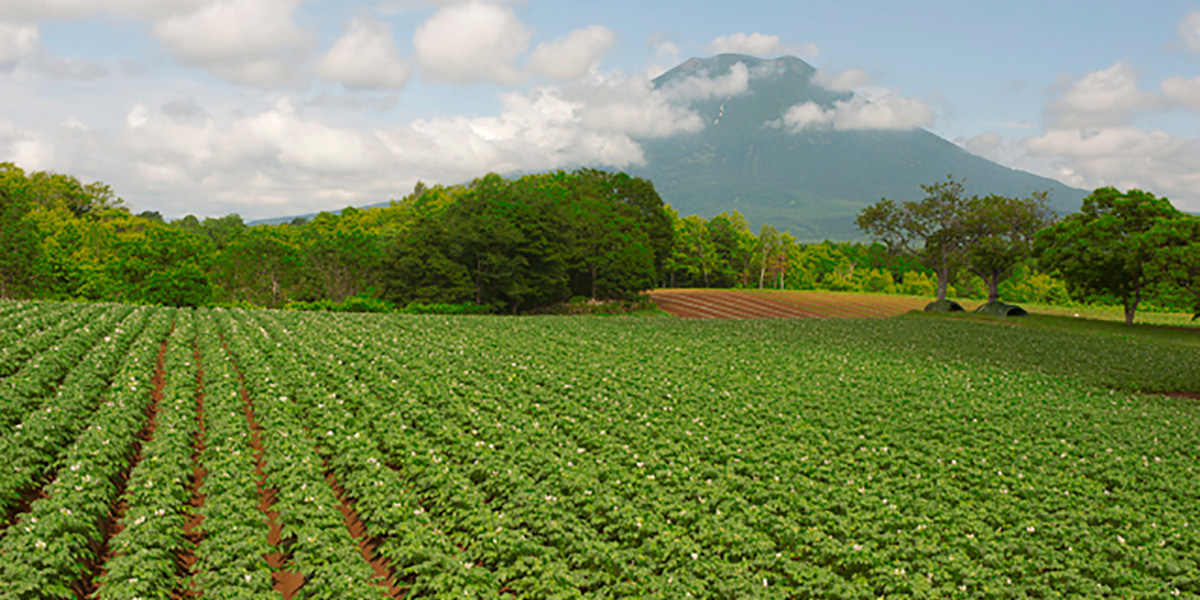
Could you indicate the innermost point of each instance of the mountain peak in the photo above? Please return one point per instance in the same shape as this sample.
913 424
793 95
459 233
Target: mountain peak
810 182
721 64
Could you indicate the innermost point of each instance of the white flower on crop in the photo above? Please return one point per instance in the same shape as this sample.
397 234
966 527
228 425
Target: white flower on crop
1120 539
40 545
1030 529
64 510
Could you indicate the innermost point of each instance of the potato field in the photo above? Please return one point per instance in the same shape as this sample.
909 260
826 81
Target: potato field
170 453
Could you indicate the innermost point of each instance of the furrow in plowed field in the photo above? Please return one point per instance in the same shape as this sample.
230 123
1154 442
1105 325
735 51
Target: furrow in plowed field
726 304
791 304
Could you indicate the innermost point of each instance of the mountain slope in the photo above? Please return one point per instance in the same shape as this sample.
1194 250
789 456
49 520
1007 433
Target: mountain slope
811 183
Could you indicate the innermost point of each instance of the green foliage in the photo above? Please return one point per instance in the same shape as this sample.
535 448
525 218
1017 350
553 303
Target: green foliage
362 303
560 457
20 259
918 284
182 285
1032 286
1001 231
1106 250
464 308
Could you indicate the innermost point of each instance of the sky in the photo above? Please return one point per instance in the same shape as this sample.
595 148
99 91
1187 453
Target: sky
272 108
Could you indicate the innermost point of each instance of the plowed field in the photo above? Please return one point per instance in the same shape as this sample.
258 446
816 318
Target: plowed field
771 304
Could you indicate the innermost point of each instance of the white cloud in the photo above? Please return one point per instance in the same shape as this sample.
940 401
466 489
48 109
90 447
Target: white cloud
248 41
759 44
733 83
78 9
632 106
398 6
804 116
888 111
17 42
841 81
182 155
365 57
1183 92
1126 157
1099 99
26 150
666 56
473 42
1189 31
573 56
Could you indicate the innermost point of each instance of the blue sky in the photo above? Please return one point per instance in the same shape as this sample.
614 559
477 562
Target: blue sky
276 107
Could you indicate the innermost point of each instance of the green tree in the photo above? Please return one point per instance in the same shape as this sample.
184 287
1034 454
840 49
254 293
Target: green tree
1002 230
769 243
695 255
933 229
263 267
341 257
510 239
1175 265
20 249
417 267
183 284
1105 250
611 253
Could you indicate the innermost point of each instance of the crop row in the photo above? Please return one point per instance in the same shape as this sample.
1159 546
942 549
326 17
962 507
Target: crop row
349 456
34 445
56 547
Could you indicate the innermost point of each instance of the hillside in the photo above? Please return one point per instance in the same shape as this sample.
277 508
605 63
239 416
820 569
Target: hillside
810 183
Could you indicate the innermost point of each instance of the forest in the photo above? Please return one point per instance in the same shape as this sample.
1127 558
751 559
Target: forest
494 245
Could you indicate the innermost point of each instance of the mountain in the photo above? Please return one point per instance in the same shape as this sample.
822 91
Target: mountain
814 182
810 183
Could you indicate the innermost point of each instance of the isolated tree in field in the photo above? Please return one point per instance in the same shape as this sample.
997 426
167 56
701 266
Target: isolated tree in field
1106 249
1000 232
933 229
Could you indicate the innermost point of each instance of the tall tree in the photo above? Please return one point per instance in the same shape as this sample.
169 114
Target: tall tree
1001 231
1104 251
510 240
768 245
933 229
20 250
694 256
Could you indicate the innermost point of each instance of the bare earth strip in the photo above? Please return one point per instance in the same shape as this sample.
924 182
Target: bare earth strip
771 304
726 304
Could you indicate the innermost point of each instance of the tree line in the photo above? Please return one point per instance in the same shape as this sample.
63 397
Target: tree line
1120 248
522 244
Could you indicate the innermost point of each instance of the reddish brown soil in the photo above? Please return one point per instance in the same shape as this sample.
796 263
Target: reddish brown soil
384 575
725 304
287 581
1192 395
192 528
760 304
87 585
